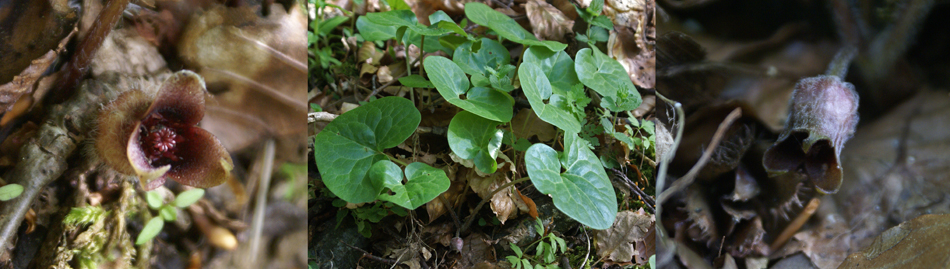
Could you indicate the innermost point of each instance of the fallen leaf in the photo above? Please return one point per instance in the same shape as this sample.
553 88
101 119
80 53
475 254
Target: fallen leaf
918 243
547 22
527 124
617 244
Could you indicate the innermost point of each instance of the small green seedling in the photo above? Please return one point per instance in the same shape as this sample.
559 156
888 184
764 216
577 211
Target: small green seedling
545 251
166 212
10 191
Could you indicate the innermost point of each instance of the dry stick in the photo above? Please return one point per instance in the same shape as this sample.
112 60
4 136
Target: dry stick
664 165
490 195
267 90
368 255
43 158
687 180
643 195
796 224
87 48
262 191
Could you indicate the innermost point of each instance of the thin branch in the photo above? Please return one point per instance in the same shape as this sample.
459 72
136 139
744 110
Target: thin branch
43 158
687 179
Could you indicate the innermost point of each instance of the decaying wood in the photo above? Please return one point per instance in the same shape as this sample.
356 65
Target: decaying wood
44 157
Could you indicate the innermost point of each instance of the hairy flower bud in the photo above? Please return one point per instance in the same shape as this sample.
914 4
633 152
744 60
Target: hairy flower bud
823 114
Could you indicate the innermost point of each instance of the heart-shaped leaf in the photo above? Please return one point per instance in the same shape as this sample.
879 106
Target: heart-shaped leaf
404 18
538 89
490 54
475 138
557 66
423 184
347 148
505 26
607 77
374 32
453 85
583 191
415 81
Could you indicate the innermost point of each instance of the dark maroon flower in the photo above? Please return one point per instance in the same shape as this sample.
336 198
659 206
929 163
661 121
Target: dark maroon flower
157 137
823 113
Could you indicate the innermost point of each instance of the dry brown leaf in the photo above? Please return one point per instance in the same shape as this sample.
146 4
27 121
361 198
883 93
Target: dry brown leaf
885 184
633 39
527 124
617 243
256 67
436 208
501 203
827 245
547 22
918 243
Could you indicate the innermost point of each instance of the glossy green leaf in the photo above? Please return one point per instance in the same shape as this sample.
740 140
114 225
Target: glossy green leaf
583 191
423 184
557 66
347 147
151 229
546 101
475 138
374 32
404 18
186 198
603 21
328 25
596 6
453 85
505 26
490 54
415 81
442 20
398 5
608 78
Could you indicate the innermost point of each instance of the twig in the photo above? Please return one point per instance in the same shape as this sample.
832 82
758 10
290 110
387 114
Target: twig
368 255
687 179
796 224
643 195
262 191
43 158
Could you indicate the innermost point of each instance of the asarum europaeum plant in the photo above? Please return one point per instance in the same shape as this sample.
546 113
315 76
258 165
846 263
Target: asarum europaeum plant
823 114
156 137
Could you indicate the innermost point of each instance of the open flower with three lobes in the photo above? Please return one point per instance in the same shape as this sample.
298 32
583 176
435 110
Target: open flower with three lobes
155 135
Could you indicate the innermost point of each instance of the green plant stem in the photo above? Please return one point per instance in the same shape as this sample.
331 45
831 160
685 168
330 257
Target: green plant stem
391 158
412 93
482 203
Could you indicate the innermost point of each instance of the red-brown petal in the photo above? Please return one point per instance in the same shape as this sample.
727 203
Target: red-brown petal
150 177
115 125
204 162
181 99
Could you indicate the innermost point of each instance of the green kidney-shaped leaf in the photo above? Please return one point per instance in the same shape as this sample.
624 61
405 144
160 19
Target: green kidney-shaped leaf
490 54
474 137
607 77
453 85
423 184
505 26
557 66
347 148
404 18
538 89
583 191
374 32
